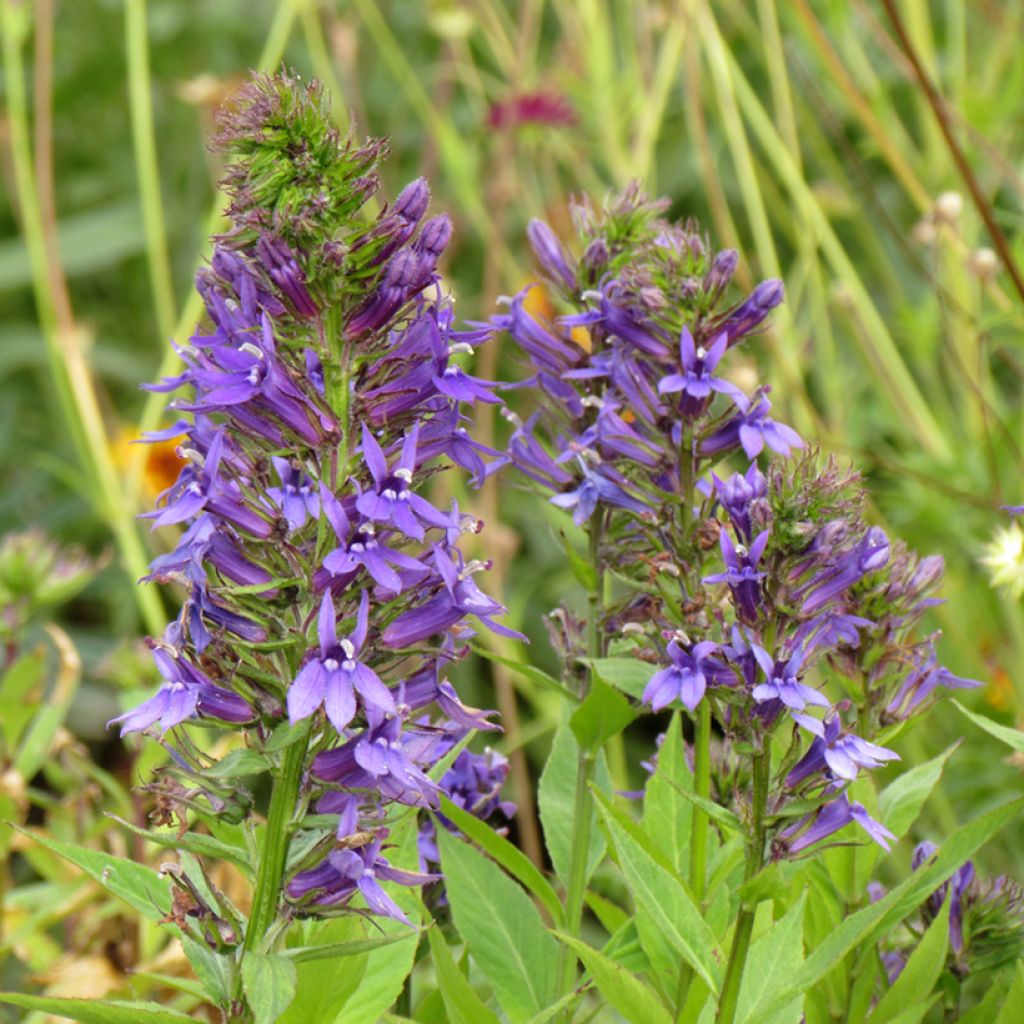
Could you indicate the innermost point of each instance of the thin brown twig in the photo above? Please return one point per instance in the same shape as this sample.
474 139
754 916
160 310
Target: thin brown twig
945 120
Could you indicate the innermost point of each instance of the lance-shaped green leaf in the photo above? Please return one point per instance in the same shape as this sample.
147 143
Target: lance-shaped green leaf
1013 738
269 985
603 714
510 857
773 958
195 842
93 1011
663 897
667 818
461 1002
923 969
901 801
139 886
556 800
502 928
620 987
627 674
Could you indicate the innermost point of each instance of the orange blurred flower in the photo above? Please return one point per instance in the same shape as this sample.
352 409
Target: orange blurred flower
162 465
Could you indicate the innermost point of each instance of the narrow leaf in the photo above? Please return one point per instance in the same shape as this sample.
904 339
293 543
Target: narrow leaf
464 1006
510 857
502 928
771 962
627 674
269 983
901 801
139 886
1013 738
603 714
623 991
665 900
556 799
923 969
93 1011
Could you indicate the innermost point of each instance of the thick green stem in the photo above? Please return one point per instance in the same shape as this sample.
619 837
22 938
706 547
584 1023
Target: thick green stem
745 922
283 800
583 805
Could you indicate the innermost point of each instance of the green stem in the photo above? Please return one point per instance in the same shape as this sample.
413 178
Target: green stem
745 922
147 171
283 800
702 787
583 804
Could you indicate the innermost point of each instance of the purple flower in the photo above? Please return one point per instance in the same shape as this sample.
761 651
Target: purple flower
838 755
360 548
750 313
394 501
347 871
752 430
550 254
924 678
383 758
869 555
741 573
280 263
296 495
458 598
782 683
332 677
687 677
956 887
828 820
186 693
696 381
597 487
737 496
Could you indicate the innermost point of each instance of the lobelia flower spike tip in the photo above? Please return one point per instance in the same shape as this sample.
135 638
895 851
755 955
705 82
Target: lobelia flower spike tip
326 597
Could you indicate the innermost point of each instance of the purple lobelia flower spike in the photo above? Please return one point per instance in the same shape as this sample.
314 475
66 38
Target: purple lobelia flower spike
318 396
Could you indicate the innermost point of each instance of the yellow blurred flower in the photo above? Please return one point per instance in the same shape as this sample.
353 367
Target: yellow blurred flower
162 464
1003 556
538 304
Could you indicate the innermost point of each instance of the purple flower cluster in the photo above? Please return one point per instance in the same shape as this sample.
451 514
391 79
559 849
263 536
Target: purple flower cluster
326 591
759 573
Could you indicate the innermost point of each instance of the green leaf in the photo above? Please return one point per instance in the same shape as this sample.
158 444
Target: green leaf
269 984
531 672
631 675
556 800
388 967
237 763
15 684
716 812
323 986
923 969
868 924
93 1011
462 1003
667 819
901 801
623 991
603 714
770 883
1013 1008
510 857
139 886
338 950
662 896
502 928
195 842
585 573
1013 738
772 960
212 969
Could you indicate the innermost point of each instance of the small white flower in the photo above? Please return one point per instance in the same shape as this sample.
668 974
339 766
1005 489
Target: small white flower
1003 556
